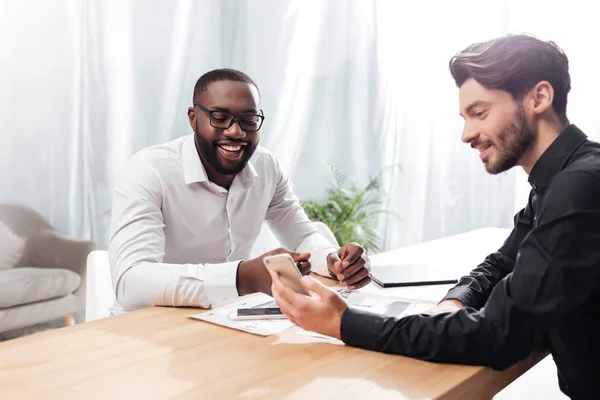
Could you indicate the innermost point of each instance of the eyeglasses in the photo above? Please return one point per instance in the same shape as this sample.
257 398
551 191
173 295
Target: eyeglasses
225 120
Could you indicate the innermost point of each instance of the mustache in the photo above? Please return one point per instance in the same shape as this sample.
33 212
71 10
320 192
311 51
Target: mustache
231 141
223 141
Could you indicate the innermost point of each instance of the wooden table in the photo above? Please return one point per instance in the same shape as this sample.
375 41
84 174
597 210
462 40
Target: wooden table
159 353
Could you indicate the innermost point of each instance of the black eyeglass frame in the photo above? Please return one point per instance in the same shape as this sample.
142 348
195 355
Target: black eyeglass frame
236 117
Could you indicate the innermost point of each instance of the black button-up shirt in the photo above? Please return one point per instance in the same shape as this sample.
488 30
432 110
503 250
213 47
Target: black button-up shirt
541 288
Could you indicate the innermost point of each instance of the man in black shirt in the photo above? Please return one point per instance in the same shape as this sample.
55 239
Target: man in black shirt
542 287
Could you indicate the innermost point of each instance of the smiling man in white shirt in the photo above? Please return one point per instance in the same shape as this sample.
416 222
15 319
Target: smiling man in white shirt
186 213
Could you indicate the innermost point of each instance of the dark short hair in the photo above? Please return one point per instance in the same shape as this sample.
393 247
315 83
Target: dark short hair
222 74
515 64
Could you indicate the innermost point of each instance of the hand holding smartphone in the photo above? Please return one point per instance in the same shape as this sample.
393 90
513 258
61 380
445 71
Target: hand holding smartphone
290 274
285 266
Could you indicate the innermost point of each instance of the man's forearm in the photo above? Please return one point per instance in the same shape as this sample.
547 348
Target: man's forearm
252 277
474 289
459 338
178 285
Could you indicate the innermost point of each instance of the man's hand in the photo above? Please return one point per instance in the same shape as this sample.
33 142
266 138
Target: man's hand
350 265
445 306
252 276
322 315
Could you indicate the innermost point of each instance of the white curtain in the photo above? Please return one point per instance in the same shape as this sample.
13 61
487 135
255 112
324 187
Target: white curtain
360 84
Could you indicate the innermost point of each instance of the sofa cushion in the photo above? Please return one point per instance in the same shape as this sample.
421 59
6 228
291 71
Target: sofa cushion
11 247
26 285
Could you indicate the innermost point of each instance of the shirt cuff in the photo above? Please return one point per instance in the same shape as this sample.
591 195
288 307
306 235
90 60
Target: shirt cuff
220 282
361 329
461 294
319 248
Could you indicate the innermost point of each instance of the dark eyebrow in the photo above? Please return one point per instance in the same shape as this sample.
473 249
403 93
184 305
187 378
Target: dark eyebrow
474 104
250 110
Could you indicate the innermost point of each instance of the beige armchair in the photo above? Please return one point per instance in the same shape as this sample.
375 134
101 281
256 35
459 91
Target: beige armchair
46 279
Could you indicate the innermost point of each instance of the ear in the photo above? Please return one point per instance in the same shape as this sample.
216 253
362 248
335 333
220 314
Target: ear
542 96
192 117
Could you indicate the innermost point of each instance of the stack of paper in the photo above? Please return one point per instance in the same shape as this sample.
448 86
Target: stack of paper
384 305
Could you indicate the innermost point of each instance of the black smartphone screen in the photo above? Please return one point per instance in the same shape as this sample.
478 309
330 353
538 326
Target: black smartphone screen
258 311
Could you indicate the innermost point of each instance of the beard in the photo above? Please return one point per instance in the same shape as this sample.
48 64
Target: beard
208 153
513 142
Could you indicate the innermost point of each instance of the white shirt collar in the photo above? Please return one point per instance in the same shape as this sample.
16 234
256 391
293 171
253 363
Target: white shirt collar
248 175
193 170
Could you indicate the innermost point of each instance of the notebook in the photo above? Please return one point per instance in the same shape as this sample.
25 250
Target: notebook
409 275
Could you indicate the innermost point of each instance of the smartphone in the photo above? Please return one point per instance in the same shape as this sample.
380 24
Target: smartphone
257 313
288 271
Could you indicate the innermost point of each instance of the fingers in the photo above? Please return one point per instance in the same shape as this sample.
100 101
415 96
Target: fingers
302 260
351 270
437 311
353 253
315 286
361 274
345 258
282 295
334 264
360 283
300 257
445 306
356 275
304 267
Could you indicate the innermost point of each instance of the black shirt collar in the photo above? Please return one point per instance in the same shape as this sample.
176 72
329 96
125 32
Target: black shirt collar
556 156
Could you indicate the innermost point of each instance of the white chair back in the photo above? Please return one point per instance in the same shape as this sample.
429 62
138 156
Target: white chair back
99 296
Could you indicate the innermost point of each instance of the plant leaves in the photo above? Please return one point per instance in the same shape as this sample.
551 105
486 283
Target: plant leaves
350 212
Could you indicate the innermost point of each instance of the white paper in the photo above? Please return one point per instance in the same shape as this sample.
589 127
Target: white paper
263 327
396 307
385 305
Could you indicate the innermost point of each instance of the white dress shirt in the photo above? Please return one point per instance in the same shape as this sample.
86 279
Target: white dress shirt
177 238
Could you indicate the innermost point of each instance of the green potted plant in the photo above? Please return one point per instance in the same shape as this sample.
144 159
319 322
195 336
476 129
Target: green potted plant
349 211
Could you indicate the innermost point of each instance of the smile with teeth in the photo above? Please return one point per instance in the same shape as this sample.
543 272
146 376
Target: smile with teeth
232 152
230 148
